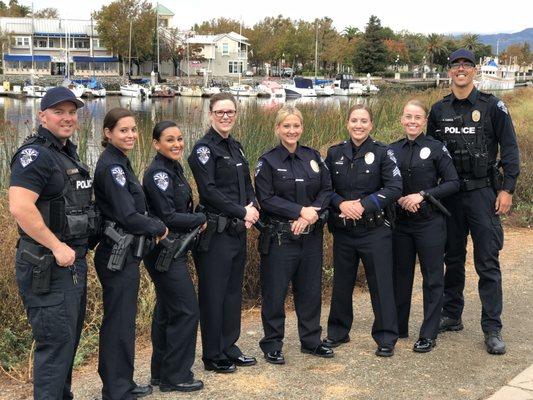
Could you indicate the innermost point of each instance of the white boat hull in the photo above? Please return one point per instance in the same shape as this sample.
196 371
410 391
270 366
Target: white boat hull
132 90
190 91
495 83
293 91
34 91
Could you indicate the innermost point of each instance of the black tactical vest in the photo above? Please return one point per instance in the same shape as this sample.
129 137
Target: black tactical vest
71 215
465 138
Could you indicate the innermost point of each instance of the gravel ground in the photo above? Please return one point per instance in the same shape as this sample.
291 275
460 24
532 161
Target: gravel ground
458 368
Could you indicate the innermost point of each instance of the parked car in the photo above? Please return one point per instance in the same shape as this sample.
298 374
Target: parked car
248 73
287 71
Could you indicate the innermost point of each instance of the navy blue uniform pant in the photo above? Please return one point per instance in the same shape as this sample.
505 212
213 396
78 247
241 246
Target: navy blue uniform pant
473 212
220 273
117 333
300 262
425 237
374 247
175 321
56 320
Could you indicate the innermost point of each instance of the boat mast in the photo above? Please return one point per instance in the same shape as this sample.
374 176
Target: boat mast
31 44
316 49
91 48
239 69
129 54
157 34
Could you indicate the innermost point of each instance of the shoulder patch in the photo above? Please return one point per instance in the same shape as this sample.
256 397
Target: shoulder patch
501 106
390 153
203 153
445 150
162 180
27 156
258 167
118 175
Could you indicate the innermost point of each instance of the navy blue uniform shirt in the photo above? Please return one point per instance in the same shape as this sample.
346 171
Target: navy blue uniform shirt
119 194
426 165
222 175
498 130
36 169
169 195
370 175
285 182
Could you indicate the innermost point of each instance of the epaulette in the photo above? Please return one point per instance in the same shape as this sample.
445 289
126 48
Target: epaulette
485 96
378 143
340 144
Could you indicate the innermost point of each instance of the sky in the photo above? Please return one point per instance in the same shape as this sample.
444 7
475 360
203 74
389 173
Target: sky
487 16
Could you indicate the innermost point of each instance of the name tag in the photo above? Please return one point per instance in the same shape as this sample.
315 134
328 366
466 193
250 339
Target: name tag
281 170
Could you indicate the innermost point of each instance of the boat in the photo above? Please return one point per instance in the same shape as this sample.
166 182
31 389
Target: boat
77 88
324 87
346 85
271 89
495 77
190 91
159 90
95 88
243 90
34 91
133 90
208 91
301 87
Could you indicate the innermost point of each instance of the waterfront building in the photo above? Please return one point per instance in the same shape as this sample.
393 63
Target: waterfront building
55 47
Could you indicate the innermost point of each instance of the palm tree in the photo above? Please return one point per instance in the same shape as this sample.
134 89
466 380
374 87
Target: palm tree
471 42
435 46
350 32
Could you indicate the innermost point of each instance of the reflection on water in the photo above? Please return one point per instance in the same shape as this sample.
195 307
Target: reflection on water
190 113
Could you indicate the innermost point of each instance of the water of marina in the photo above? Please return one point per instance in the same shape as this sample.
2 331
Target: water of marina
190 113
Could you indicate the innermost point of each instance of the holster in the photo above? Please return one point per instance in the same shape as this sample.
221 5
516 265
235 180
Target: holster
169 247
121 245
236 226
204 239
496 177
41 260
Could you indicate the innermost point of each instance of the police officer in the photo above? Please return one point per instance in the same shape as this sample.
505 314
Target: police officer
176 313
50 196
226 195
293 188
366 182
427 170
127 232
473 125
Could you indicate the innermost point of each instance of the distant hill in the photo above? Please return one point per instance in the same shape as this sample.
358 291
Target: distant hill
507 39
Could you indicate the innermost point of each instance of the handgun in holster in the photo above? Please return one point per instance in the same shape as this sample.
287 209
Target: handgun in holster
41 268
169 247
205 237
265 237
121 245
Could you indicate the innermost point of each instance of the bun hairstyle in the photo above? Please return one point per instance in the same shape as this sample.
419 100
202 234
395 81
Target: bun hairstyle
360 107
111 119
160 127
417 103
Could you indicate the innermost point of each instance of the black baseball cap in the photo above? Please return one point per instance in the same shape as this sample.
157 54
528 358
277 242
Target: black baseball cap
57 95
464 54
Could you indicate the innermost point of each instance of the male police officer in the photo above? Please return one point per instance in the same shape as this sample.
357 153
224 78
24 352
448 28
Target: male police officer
473 124
50 196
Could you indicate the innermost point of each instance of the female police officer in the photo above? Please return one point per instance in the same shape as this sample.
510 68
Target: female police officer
293 187
175 319
366 181
427 170
226 194
126 231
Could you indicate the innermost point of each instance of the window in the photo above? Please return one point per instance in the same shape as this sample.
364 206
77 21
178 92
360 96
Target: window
81 44
225 49
40 42
96 43
42 65
83 66
235 67
25 64
22 41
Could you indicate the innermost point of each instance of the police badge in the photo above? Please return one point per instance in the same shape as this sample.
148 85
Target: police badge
203 154
425 152
369 158
476 115
314 166
27 156
161 179
118 175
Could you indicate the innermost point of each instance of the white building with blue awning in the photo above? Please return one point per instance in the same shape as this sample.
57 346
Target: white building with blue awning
55 47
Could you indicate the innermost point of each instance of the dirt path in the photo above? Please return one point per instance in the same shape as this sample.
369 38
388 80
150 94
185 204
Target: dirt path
459 367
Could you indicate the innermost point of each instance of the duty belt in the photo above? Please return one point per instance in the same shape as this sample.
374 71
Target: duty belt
371 220
473 184
284 227
424 212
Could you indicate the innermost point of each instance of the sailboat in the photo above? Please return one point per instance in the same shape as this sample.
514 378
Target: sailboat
209 90
239 89
132 89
